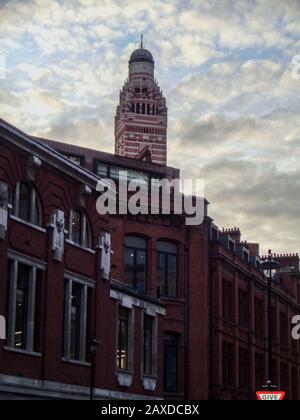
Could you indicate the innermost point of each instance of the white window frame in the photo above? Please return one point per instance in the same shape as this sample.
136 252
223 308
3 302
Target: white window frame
31 305
86 284
130 338
33 199
154 345
84 228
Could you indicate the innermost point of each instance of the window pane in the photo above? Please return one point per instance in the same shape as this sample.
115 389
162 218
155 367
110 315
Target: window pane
167 274
22 306
102 169
135 242
114 172
148 344
36 216
75 321
172 275
167 247
76 227
141 270
88 235
129 266
161 269
24 202
136 262
75 159
170 362
123 333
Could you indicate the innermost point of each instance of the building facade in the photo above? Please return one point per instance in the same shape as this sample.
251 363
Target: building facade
239 330
134 307
68 275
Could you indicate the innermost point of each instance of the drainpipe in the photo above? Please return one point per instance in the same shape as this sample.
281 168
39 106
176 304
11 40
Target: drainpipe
212 333
186 321
250 367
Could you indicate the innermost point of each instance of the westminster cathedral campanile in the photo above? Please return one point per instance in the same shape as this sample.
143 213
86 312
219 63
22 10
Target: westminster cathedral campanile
142 114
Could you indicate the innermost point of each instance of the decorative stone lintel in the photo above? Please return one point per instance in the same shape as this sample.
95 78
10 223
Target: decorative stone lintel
130 301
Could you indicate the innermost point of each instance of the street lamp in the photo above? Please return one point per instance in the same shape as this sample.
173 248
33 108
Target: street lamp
269 267
93 345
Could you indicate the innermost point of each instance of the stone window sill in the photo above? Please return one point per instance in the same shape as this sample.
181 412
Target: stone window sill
31 225
76 362
23 352
149 383
124 378
91 251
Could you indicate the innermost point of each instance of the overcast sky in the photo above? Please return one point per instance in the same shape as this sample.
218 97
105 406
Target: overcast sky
225 67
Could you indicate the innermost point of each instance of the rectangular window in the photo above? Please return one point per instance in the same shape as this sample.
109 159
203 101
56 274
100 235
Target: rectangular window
76 332
228 364
78 160
76 310
23 279
102 169
22 310
123 339
167 269
136 263
148 345
105 170
170 362
244 369
228 301
243 309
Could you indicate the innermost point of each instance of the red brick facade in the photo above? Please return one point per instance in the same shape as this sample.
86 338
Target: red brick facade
177 312
58 183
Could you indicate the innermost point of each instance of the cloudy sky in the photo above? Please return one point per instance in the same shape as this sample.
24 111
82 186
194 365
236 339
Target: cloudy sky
225 67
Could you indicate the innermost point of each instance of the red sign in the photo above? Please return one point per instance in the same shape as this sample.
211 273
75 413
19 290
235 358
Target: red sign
270 396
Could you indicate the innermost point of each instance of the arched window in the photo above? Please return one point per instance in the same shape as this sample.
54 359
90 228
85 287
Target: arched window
27 205
136 262
138 109
143 109
133 108
148 109
153 110
80 229
167 268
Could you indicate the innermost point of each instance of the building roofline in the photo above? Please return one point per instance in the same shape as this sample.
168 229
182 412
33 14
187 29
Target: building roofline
109 157
47 154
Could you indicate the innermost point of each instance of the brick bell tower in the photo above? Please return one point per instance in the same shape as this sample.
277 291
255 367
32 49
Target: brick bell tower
142 114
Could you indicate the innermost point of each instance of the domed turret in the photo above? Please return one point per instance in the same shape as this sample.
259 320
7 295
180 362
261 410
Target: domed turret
141 120
141 55
141 62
